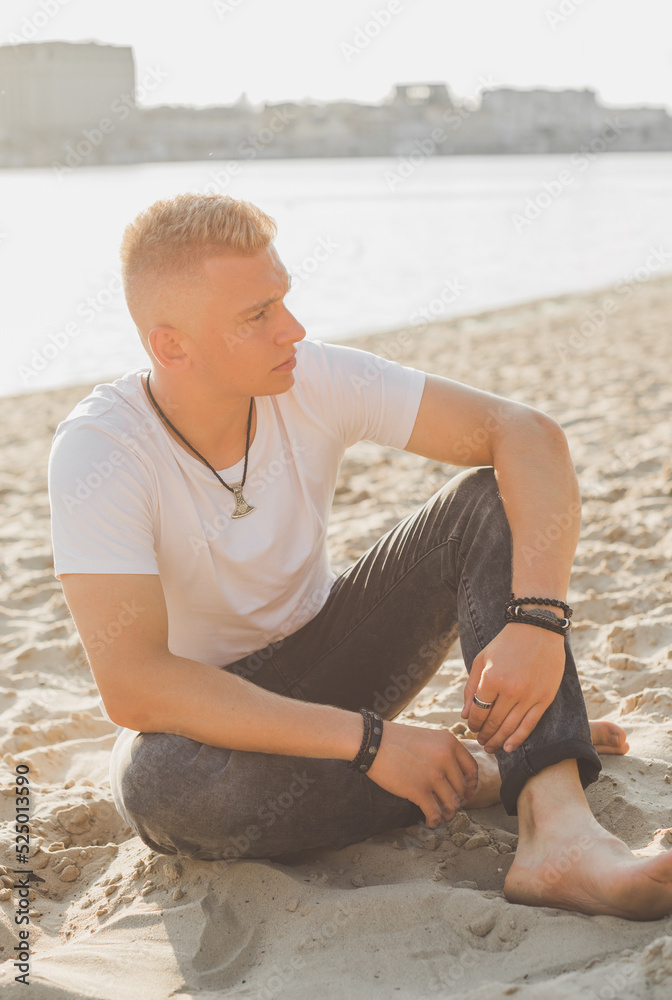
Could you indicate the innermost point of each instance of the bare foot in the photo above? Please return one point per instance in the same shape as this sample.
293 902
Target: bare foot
566 859
607 737
592 872
489 781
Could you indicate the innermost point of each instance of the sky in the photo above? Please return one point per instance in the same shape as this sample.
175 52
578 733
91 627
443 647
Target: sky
209 52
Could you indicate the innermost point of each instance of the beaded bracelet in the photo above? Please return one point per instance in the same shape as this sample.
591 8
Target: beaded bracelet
373 732
568 612
541 618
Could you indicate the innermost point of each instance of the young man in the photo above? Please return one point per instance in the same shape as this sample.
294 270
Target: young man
190 504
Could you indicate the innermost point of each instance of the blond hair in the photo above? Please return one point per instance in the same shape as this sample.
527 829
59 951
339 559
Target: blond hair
175 235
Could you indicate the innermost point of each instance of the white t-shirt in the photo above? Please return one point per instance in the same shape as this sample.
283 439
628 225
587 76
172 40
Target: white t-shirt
127 498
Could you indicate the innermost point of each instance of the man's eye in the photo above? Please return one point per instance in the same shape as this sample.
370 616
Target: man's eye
259 315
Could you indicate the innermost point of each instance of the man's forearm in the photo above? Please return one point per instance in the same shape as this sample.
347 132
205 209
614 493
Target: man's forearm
542 500
218 708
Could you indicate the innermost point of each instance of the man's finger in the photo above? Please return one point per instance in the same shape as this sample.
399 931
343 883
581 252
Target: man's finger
470 688
476 712
431 807
469 767
462 773
524 729
488 720
508 725
448 797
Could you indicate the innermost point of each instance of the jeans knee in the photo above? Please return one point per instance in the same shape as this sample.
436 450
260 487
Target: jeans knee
175 794
477 489
153 782
479 480
480 522
138 780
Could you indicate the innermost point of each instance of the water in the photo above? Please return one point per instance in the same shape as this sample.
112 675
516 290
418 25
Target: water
443 239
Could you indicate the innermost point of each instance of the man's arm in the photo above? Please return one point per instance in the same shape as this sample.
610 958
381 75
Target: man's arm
145 687
523 666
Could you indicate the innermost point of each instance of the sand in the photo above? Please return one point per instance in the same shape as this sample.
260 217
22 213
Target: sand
412 913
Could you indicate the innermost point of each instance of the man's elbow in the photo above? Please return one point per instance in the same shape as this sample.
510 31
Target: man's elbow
124 714
532 429
552 430
130 693
126 705
533 421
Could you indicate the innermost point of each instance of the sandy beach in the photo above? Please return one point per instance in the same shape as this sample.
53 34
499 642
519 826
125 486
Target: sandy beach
414 913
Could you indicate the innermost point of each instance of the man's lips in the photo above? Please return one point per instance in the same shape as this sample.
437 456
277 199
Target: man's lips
287 365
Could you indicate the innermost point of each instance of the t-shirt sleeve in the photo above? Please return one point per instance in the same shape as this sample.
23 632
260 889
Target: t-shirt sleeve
102 504
367 397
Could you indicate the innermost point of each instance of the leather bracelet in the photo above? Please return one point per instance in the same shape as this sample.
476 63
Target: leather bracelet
543 619
541 600
369 748
365 738
374 742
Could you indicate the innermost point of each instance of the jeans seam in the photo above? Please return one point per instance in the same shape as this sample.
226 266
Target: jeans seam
387 593
471 607
526 761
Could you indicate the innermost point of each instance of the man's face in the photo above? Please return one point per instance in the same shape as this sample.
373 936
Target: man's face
241 333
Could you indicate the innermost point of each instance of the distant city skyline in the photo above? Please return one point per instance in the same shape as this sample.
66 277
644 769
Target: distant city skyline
211 51
69 104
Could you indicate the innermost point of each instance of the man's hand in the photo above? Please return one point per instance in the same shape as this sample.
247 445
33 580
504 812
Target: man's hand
428 766
520 672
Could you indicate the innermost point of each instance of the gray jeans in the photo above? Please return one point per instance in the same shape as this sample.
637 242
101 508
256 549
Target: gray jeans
384 631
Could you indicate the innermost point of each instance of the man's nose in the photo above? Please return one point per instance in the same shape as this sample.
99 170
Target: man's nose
291 331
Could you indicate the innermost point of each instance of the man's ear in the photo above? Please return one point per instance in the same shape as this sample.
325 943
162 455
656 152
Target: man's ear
165 344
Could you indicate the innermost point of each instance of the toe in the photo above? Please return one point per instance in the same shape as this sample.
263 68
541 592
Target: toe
608 737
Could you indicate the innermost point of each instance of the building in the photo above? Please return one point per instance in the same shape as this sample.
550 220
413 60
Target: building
540 121
66 105
62 87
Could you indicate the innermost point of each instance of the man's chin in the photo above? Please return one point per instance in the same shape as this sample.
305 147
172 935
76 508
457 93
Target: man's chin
283 382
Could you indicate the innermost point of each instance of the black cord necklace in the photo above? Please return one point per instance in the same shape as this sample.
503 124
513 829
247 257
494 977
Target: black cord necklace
242 506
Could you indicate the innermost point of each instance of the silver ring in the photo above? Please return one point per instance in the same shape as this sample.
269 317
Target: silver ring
482 704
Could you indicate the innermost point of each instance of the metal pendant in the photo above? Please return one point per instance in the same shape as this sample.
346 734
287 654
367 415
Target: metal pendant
242 506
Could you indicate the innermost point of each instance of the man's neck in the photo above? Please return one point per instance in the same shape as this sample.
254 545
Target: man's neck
217 429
